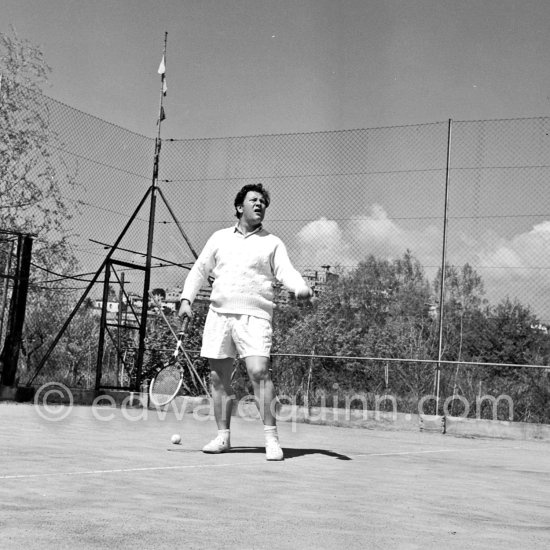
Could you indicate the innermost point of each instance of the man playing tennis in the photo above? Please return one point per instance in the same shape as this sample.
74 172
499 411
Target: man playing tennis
244 261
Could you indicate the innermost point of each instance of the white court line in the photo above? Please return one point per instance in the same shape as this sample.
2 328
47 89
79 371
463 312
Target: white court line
401 453
191 466
120 470
456 450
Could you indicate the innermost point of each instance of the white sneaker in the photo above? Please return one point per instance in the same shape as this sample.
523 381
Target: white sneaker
218 445
273 450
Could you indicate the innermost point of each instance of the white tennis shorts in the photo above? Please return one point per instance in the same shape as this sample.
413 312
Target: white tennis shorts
226 335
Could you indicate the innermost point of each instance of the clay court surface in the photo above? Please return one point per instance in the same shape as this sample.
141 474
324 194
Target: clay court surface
110 478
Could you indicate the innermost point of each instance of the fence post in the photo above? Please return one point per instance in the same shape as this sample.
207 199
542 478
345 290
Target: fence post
5 290
309 375
443 262
102 325
18 305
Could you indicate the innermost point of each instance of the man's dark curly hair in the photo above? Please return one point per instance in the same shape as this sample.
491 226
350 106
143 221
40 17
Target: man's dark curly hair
239 199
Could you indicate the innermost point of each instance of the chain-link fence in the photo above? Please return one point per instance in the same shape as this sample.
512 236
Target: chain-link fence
363 214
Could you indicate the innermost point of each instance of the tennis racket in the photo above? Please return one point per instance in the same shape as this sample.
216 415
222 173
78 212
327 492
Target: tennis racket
168 381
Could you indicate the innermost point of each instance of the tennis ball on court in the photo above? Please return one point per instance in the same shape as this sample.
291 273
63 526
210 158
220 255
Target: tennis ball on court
176 439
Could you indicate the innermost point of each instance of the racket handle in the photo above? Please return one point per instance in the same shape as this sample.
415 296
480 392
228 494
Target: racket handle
184 325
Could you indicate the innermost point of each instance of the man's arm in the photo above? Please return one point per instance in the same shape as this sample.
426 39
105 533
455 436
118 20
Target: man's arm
197 277
285 272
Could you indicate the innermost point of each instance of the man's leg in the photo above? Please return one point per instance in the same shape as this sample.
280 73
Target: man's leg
222 397
222 392
264 391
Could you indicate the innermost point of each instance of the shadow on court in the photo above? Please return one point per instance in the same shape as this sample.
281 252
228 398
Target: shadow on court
290 452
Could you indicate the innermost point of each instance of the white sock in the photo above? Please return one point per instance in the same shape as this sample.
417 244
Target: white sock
226 434
271 433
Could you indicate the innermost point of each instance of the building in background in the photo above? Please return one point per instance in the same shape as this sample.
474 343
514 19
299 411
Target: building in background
317 280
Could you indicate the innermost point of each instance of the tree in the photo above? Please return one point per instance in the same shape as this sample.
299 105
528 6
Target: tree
375 310
74 359
33 173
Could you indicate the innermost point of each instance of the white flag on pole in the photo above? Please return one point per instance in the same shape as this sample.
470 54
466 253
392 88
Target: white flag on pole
162 72
162 66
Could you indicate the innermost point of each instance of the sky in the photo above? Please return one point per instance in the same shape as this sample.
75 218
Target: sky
249 67
256 67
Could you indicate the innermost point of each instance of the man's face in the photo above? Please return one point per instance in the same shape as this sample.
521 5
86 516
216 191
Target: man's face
253 208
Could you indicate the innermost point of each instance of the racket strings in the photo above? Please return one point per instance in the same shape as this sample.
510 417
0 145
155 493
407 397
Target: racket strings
166 384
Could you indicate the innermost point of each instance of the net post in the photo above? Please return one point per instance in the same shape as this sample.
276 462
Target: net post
443 262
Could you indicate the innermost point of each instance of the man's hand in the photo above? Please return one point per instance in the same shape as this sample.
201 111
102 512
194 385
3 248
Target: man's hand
185 310
304 294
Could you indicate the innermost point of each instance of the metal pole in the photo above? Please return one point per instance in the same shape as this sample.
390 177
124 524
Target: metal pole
150 236
89 287
5 289
102 323
12 345
178 225
7 350
119 319
443 263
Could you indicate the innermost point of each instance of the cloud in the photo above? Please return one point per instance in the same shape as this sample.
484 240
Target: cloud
523 252
327 241
518 266
323 242
377 234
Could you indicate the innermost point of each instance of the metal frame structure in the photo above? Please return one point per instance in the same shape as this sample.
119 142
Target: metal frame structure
108 262
9 356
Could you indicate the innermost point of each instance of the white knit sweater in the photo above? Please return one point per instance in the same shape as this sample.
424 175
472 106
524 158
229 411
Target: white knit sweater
244 269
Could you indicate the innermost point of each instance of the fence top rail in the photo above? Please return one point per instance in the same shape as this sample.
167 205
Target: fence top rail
407 360
381 359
